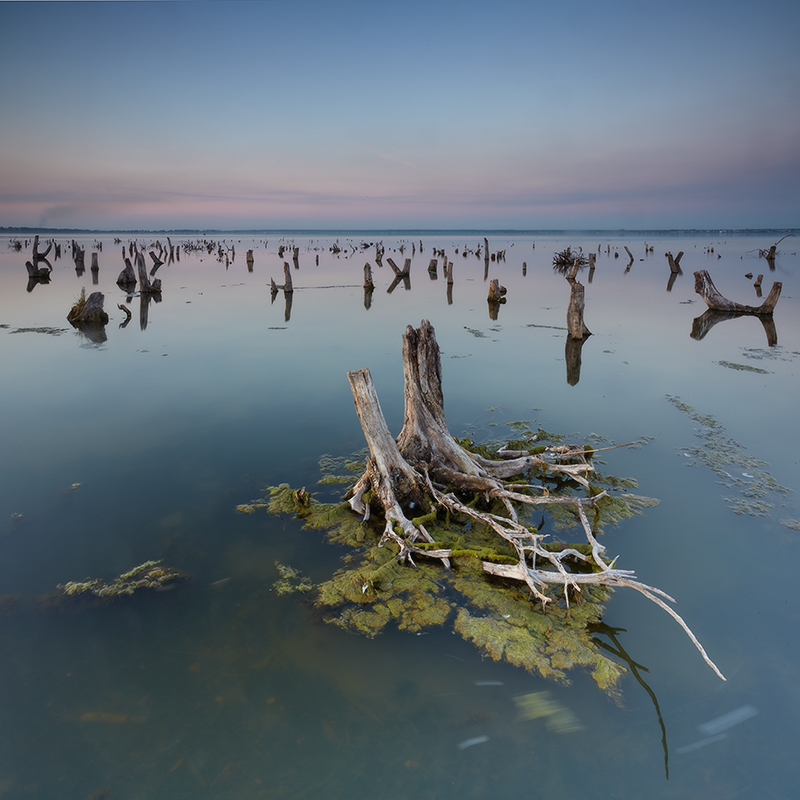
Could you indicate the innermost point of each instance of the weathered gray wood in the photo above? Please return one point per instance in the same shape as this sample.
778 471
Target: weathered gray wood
674 263
287 279
88 310
496 292
157 262
575 325
630 256
704 286
146 286
400 273
127 278
36 256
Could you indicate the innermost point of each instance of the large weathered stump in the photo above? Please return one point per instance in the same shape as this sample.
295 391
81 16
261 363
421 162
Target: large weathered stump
704 286
427 470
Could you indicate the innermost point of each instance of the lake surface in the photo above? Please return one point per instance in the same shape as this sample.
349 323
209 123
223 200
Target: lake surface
139 444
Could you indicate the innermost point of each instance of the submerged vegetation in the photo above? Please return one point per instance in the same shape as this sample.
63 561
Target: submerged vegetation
375 588
149 576
736 468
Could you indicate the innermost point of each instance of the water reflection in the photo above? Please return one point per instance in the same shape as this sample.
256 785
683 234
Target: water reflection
705 322
618 651
244 693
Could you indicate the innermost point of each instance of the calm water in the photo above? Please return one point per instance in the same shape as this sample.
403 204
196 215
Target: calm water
221 688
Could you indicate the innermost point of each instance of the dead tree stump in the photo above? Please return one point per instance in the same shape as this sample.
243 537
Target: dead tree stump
288 288
674 263
425 470
575 324
126 278
704 286
146 286
88 310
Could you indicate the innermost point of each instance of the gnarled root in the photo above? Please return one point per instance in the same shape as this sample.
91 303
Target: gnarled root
426 468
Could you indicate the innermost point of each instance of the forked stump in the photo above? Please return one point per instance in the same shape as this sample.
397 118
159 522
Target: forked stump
704 286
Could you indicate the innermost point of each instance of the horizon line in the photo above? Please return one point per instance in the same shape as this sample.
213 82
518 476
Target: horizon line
4 230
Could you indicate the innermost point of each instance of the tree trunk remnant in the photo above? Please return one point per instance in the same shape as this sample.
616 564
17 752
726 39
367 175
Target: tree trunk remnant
497 292
145 285
575 324
127 278
36 256
674 263
78 254
496 298
704 286
425 466
400 273
157 262
88 310
287 279
369 284
630 256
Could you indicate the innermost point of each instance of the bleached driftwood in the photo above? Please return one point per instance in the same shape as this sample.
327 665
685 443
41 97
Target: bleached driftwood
427 467
704 286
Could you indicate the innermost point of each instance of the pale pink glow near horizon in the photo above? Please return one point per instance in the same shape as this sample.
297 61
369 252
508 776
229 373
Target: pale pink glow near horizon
350 125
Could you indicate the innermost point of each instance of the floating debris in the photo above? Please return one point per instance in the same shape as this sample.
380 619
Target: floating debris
735 717
538 705
689 748
471 742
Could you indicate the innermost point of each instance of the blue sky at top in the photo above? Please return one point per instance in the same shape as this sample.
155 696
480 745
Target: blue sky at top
303 113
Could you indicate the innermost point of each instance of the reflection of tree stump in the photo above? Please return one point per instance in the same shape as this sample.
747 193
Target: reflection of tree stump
572 355
705 322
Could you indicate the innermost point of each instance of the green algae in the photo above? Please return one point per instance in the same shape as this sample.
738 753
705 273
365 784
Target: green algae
42 329
743 367
151 575
736 468
374 589
290 581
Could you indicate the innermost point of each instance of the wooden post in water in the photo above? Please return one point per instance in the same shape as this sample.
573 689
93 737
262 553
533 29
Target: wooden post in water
287 279
575 324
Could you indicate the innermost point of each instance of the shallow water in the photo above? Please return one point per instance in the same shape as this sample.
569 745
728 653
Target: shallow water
140 446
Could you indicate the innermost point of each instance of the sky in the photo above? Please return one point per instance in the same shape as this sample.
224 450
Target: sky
309 114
